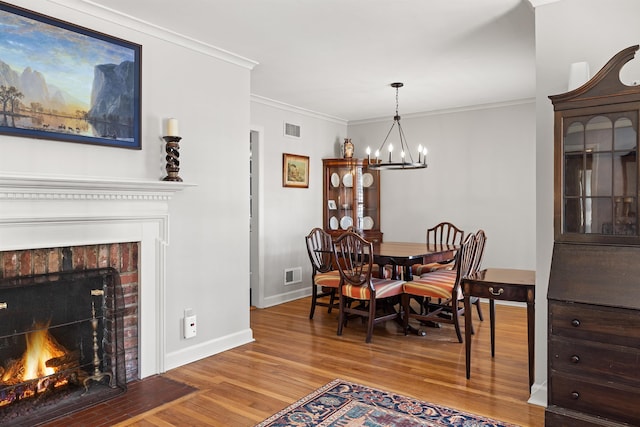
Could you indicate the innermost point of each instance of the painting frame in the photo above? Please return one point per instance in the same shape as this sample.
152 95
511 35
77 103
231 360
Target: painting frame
292 176
81 85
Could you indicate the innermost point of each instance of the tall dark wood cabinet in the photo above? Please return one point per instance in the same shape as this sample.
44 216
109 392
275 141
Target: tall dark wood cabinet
351 197
594 284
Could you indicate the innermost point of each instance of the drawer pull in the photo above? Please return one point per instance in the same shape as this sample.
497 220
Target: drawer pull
575 323
575 395
494 292
575 358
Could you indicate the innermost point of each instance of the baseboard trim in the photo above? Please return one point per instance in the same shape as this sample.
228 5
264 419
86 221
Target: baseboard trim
200 351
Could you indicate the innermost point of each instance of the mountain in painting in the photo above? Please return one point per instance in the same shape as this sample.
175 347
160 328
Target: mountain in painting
35 90
112 94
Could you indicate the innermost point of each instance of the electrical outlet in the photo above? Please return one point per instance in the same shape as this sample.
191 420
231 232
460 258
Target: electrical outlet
189 324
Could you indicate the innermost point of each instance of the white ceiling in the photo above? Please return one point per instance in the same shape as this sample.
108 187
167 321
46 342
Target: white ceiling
338 57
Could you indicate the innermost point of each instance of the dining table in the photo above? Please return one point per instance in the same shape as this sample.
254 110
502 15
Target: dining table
402 255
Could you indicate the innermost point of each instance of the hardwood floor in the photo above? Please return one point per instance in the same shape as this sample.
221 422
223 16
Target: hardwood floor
292 356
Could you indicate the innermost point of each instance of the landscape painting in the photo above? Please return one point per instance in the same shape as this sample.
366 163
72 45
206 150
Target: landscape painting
62 82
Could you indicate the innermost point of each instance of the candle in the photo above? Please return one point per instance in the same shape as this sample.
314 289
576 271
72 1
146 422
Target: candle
368 154
425 155
390 150
172 127
419 152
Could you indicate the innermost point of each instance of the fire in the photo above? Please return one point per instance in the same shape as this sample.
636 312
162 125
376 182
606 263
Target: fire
41 347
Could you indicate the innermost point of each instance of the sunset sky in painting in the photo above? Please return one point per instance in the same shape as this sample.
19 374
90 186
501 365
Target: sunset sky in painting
66 59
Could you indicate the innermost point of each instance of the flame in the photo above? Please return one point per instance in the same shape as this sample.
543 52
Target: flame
41 347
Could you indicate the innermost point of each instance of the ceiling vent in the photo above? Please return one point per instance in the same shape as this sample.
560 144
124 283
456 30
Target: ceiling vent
291 130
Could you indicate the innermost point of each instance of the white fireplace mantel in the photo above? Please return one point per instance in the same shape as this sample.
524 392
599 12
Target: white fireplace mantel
61 187
56 211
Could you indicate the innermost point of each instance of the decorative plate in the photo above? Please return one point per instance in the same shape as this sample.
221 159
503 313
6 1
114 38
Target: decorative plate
367 223
347 180
367 179
333 223
346 222
335 179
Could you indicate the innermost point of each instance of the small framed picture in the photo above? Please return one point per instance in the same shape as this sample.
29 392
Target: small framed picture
332 205
295 171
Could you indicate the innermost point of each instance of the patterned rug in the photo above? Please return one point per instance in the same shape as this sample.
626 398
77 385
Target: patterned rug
345 404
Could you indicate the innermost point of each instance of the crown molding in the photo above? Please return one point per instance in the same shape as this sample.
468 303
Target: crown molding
448 111
536 3
292 108
111 15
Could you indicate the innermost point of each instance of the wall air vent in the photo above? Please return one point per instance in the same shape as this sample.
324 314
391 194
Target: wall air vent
292 275
291 130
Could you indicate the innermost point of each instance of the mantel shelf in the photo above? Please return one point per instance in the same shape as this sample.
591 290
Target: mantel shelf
21 186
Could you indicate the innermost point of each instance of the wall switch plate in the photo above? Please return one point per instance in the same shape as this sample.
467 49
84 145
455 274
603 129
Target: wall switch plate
189 324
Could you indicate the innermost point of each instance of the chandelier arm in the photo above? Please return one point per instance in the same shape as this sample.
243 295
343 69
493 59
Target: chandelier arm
387 137
403 142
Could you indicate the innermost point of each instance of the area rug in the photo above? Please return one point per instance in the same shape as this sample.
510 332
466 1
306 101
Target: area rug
345 404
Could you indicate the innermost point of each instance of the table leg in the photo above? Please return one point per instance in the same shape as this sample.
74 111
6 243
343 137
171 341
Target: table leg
467 333
492 321
531 325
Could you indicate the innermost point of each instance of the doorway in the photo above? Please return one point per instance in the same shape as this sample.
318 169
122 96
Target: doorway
255 291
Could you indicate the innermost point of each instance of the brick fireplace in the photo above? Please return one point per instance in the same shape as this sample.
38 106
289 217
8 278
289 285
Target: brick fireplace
122 257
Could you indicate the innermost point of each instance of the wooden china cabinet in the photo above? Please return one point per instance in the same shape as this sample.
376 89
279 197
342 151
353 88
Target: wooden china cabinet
351 197
594 284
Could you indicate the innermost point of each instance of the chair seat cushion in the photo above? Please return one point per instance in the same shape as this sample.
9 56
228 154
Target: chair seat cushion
438 284
384 288
330 279
420 269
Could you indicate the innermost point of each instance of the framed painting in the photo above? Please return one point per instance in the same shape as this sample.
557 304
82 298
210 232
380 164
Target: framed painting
295 171
59 81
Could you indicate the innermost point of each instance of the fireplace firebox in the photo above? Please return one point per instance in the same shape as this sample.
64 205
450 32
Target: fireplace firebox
61 343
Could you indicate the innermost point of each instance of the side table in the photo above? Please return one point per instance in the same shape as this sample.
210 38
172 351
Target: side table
500 284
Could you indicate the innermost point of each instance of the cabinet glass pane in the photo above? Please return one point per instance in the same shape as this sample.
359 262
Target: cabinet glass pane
573 216
599 135
574 138
625 137
370 199
573 174
599 175
598 216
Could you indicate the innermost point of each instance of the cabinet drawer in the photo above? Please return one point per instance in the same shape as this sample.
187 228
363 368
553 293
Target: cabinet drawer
497 292
615 364
595 323
574 393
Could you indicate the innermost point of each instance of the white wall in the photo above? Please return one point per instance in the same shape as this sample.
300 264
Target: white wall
480 174
208 249
288 214
569 31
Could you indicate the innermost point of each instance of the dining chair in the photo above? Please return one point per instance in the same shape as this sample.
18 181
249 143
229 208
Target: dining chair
355 255
325 279
385 271
441 290
481 240
444 233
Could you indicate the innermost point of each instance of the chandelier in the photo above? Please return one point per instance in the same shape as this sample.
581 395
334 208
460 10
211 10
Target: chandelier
406 159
